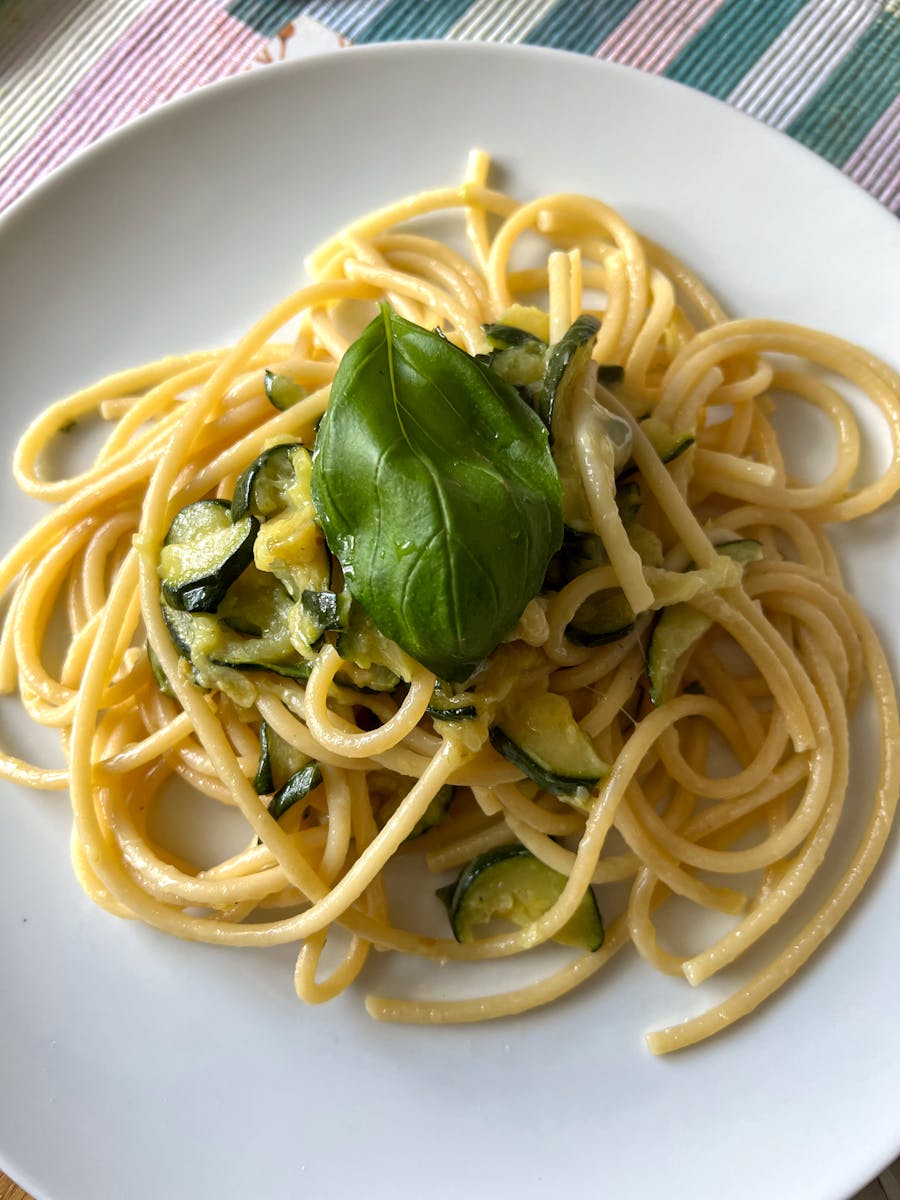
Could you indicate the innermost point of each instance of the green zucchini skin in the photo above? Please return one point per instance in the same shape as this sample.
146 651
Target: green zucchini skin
559 784
204 552
568 358
444 707
320 612
541 737
608 373
257 604
668 445
260 487
278 761
603 618
221 648
510 882
283 392
679 627
263 781
159 675
501 337
629 500
297 788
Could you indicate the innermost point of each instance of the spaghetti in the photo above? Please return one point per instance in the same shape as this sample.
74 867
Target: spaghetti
781 659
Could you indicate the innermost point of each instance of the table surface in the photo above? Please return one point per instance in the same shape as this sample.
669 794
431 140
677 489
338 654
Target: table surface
826 72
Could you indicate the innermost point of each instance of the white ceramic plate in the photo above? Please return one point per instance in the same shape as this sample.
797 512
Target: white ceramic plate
134 1065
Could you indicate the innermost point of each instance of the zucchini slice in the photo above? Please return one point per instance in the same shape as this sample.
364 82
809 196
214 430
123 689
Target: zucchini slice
541 737
578 553
566 364
256 604
628 500
380 663
444 706
278 761
501 336
509 882
282 391
261 488
297 788
608 373
320 611
668 445
604 617
529 319
287 670
679 627
677 630
523 366
742 550
160 677
209 643
190 631
433 814
290 544
203 554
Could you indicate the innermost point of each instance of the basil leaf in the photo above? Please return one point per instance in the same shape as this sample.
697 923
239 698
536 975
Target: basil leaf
437 493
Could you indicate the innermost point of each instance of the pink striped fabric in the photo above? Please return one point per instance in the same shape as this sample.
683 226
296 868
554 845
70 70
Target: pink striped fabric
654 31
197 42
877 155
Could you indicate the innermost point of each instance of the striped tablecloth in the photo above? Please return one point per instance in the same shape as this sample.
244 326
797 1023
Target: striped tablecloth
827 72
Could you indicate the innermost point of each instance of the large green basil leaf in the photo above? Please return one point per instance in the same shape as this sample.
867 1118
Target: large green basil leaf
437 493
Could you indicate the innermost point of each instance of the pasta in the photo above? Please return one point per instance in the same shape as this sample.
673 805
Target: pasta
768 659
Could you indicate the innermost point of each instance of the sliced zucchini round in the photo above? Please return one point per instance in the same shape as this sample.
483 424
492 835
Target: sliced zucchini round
256 604
261 488
290 543
379 663
678 628
208 644
203 554
287 670
604 617
509 882
541 737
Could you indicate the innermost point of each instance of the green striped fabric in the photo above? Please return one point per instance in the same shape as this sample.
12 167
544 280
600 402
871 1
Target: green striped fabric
579 24
264 16
871 75
406 19
726 48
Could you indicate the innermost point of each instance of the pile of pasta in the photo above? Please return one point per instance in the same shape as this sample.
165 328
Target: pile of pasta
774 682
